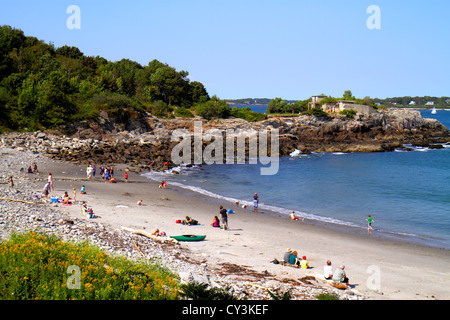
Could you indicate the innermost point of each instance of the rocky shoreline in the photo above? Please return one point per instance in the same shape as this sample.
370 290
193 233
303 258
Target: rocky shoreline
23 209
144 142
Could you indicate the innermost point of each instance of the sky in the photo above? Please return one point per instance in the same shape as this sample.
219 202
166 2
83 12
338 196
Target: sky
264 48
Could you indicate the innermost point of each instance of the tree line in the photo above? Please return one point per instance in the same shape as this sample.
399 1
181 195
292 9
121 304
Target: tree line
43 87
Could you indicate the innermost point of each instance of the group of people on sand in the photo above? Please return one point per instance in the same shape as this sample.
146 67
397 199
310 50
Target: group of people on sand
255 203
224 214
32 169
106 173
338 276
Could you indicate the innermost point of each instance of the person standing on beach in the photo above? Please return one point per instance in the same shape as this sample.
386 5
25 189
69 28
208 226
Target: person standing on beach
255 202
50 181
126 176
224 216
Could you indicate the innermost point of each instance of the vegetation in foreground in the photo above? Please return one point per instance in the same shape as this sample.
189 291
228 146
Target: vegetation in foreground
36 266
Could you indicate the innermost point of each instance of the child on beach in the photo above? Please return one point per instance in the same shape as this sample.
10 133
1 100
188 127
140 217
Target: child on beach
215 222
163 185
369 223
255 202
294 217
139 202
126 177
304 264
83 190
74 195
50 181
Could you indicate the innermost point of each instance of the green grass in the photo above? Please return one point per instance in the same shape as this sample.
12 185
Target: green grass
35 266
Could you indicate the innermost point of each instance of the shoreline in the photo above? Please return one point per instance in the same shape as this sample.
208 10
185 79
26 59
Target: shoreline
339 225
406 270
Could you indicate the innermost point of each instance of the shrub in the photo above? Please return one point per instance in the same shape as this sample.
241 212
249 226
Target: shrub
201 291
214 108
350 113
183 112
247 114
318 112
34 266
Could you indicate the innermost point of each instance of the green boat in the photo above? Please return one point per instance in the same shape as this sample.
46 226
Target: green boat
189 237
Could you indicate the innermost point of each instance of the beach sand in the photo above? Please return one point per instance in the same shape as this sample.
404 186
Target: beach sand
377 267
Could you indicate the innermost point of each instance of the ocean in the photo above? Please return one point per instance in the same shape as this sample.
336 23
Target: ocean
407 193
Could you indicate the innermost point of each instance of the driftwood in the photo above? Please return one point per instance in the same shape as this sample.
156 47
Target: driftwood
137 247
149 235
9 199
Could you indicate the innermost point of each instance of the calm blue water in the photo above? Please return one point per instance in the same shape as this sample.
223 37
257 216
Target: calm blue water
405 192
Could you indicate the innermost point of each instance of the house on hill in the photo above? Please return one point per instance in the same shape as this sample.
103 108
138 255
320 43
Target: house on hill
342 105
315 101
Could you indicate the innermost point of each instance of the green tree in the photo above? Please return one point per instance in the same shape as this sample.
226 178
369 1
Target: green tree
276 105
214 108
348 95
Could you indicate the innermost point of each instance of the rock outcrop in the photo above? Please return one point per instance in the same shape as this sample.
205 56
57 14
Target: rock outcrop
145 141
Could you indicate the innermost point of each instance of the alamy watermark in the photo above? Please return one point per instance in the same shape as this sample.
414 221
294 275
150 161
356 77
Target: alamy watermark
74 20
74 280
374 20
190 149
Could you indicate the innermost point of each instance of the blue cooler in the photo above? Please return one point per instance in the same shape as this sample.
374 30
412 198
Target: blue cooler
54 199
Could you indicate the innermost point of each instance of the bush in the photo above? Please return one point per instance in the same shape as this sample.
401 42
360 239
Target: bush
318 112
34 266
247 114
214 108
327 296
350 113
200 291
183 113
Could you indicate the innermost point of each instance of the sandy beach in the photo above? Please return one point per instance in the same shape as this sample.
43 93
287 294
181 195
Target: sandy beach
378 268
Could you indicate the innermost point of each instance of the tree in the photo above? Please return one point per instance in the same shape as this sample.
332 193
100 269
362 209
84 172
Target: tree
348 95
214 108
276 105
70 52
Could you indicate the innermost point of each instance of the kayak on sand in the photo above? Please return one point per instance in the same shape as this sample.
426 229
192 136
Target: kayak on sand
189 237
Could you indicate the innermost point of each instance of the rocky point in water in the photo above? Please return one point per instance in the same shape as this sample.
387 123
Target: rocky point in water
143 141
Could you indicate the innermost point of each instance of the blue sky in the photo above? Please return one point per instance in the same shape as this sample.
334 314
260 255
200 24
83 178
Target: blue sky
262 49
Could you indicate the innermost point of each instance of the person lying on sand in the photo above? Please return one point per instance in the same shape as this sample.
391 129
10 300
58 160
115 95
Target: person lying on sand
189 221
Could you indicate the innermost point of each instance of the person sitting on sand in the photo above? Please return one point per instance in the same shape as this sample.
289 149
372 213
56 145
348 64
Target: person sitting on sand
328 271
215 222
304 264
83 190
236 203
339 275
287 255
66 199
163 185
294 260
155 233
139 202
294 217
